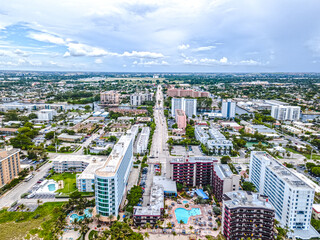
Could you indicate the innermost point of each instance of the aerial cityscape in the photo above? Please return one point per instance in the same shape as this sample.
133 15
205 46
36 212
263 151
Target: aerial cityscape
182 120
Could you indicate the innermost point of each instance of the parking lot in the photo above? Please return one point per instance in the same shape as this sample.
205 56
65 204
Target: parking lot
191 151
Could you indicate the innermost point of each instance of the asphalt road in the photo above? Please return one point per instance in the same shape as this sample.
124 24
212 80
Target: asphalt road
14 194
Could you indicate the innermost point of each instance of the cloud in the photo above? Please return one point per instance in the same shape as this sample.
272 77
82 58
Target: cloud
79 50
206 48
183 46
45 37
142 54
98 61
21 53
222 61
151 63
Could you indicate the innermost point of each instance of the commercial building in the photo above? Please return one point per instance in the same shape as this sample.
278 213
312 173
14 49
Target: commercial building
176 92
223 180
213 139
152 213
128 111
109 97
69 138
261 129
9 165
111 179
189 106
291 197
46 115
74 163
143 139
291 113
192 171
181 119
247 215
228 108
137 99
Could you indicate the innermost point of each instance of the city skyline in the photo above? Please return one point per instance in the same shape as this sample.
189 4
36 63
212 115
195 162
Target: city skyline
153 36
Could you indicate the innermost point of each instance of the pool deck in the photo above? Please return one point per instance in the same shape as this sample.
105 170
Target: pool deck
203 217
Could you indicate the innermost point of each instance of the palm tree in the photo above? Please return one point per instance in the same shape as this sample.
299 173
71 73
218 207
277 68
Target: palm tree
148 225
169 225
98 217
38 202
110 218
181 222
146 235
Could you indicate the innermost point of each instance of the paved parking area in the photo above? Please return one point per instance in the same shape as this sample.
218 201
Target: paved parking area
178 150
196 151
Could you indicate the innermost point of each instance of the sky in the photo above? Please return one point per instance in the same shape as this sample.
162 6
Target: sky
160 35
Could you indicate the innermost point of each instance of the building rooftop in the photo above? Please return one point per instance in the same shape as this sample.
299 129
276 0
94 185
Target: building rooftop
282 172
4 153
223 171
194 159
83 158
246 199
115 158
180 112
88 173
167 184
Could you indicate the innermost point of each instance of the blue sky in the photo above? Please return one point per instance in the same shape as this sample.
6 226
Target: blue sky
160 35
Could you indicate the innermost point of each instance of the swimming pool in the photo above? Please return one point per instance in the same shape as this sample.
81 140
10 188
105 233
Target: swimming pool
184 214
76 216
185 202
52 187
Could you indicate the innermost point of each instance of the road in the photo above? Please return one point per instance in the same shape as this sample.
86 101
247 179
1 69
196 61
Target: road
14 195
159 149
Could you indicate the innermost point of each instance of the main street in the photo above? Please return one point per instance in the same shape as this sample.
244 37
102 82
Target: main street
14 194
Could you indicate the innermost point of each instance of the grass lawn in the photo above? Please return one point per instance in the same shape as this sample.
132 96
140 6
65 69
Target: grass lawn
17 225
314 156
69 180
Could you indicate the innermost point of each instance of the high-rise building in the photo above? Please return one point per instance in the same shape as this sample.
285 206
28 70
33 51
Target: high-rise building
228 109
247 215
177 92
143 139
291 197
137 99
111 179
46 115
9 165
181 119
191 171
188 105
281 112
223 180
109 97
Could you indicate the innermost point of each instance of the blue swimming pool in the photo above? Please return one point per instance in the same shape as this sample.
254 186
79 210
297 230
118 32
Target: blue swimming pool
185 202
52 187
76 216
184 214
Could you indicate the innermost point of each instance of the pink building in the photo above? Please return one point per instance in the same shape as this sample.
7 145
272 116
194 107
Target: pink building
177 92
181 119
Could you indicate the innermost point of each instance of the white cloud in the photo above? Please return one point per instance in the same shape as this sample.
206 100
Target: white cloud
49 38
183 46
98 61
222 61
151 63
21 53
142 54
78 50
206 48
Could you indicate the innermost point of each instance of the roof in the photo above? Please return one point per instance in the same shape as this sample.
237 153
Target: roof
167 184
223 171
246 199
201 194
316 208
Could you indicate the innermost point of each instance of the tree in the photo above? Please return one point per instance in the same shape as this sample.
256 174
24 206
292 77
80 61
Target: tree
32 116
87 107
189 131
225 160
248 186
146 235
122 231
49 135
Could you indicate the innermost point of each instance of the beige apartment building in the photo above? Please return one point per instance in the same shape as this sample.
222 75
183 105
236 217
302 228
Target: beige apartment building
10 165
109 97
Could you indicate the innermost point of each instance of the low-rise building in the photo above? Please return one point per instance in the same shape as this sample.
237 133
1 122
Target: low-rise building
85 180
69 138
73 163
224 180
247 214
261 129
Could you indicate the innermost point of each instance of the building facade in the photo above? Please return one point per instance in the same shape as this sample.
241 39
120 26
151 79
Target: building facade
291 197
223 180
109 97
9 165
213 139
189 106
192 171
46 115
247 215
181 119
280 112
143 139
137 99
228 109
176 92
111 179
